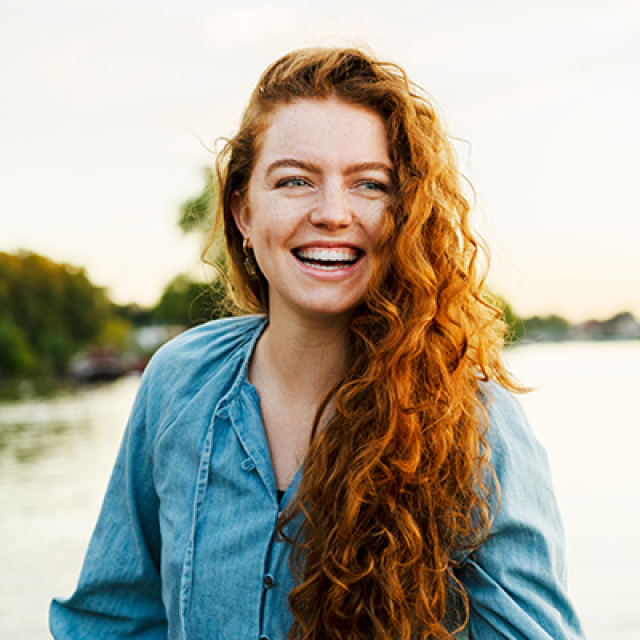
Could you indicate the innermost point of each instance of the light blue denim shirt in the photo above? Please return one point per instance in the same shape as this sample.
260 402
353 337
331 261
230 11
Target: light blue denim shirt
184 547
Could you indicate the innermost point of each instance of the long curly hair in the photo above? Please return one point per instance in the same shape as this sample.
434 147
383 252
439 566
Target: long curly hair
399 483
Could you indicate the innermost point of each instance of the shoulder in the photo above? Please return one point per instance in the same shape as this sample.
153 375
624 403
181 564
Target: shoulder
202 363
216 335
509 433
199 348
518 459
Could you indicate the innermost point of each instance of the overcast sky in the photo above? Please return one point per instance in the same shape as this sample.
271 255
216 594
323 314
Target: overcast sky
110 109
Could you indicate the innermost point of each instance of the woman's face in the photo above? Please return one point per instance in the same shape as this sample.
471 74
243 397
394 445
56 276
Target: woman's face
316 200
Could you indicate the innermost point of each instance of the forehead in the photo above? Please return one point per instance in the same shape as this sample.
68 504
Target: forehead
324 130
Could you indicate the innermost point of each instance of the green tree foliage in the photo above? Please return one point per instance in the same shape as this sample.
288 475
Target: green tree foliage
134 314
188 303
546 327
16 356
48 311
197 214
513 321
116 332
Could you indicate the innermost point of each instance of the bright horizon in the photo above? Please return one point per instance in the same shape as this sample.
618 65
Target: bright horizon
110 109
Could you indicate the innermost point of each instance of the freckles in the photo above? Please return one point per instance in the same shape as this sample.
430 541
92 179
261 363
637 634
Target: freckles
374 216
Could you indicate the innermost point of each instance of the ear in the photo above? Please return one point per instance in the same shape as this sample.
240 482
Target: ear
240 212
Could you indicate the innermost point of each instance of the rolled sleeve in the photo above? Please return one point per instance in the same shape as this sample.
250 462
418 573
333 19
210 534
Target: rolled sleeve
516 581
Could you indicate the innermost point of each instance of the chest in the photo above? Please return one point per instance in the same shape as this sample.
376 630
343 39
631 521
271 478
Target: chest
225 573
288 430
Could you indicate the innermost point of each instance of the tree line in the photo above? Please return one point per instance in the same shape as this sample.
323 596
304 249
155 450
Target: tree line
47 312
51 311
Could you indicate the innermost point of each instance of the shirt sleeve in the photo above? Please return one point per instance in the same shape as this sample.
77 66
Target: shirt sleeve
516 580
119 591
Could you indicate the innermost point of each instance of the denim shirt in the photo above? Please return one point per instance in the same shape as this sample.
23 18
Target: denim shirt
184 547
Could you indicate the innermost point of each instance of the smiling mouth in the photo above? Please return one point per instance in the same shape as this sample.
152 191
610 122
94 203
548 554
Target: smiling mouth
328 259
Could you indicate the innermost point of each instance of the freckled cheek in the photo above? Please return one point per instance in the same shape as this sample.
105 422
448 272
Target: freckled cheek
273 234
374 220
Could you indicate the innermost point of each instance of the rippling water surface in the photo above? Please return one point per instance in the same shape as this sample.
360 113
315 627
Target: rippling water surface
56 455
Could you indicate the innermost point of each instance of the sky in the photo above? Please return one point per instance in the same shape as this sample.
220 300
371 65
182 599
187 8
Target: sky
111 110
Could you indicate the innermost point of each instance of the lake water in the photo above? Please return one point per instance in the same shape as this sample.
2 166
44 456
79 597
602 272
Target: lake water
56 456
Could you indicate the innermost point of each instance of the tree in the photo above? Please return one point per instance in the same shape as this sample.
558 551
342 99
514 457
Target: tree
546 327
16 356
48 310
513 321
187 303
197 214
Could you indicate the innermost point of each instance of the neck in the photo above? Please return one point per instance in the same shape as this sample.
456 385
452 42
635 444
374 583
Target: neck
302 360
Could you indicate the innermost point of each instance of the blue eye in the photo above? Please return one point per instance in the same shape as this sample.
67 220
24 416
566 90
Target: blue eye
292 182
374 185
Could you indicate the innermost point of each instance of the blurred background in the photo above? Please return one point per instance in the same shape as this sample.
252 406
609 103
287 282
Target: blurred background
110 116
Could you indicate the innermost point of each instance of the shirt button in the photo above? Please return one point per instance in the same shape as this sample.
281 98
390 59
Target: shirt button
248 464
269 581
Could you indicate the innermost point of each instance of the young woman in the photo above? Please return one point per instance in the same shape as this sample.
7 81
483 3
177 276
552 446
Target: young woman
348 462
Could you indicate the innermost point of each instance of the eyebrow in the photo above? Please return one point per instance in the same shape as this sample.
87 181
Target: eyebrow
289 163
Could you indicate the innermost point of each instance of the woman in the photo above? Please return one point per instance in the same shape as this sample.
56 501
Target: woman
348 463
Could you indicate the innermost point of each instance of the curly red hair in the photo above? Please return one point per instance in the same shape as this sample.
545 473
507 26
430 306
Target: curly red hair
396 485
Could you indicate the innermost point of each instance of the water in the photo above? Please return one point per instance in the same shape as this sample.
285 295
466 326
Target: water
585 412
55 460
56 456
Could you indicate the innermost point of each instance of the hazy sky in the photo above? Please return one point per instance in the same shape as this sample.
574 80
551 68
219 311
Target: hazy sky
109 108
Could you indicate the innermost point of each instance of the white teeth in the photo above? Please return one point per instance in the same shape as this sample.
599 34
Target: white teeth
328 267
328 255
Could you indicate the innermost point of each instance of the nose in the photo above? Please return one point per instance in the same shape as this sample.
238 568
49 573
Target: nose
333 211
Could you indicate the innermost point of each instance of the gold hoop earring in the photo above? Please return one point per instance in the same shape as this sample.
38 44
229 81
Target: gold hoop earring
250 265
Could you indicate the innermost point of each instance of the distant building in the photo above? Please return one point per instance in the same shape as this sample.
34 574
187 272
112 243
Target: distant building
622 326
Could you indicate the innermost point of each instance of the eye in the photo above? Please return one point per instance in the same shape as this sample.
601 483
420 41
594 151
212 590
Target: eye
373 185
294 182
